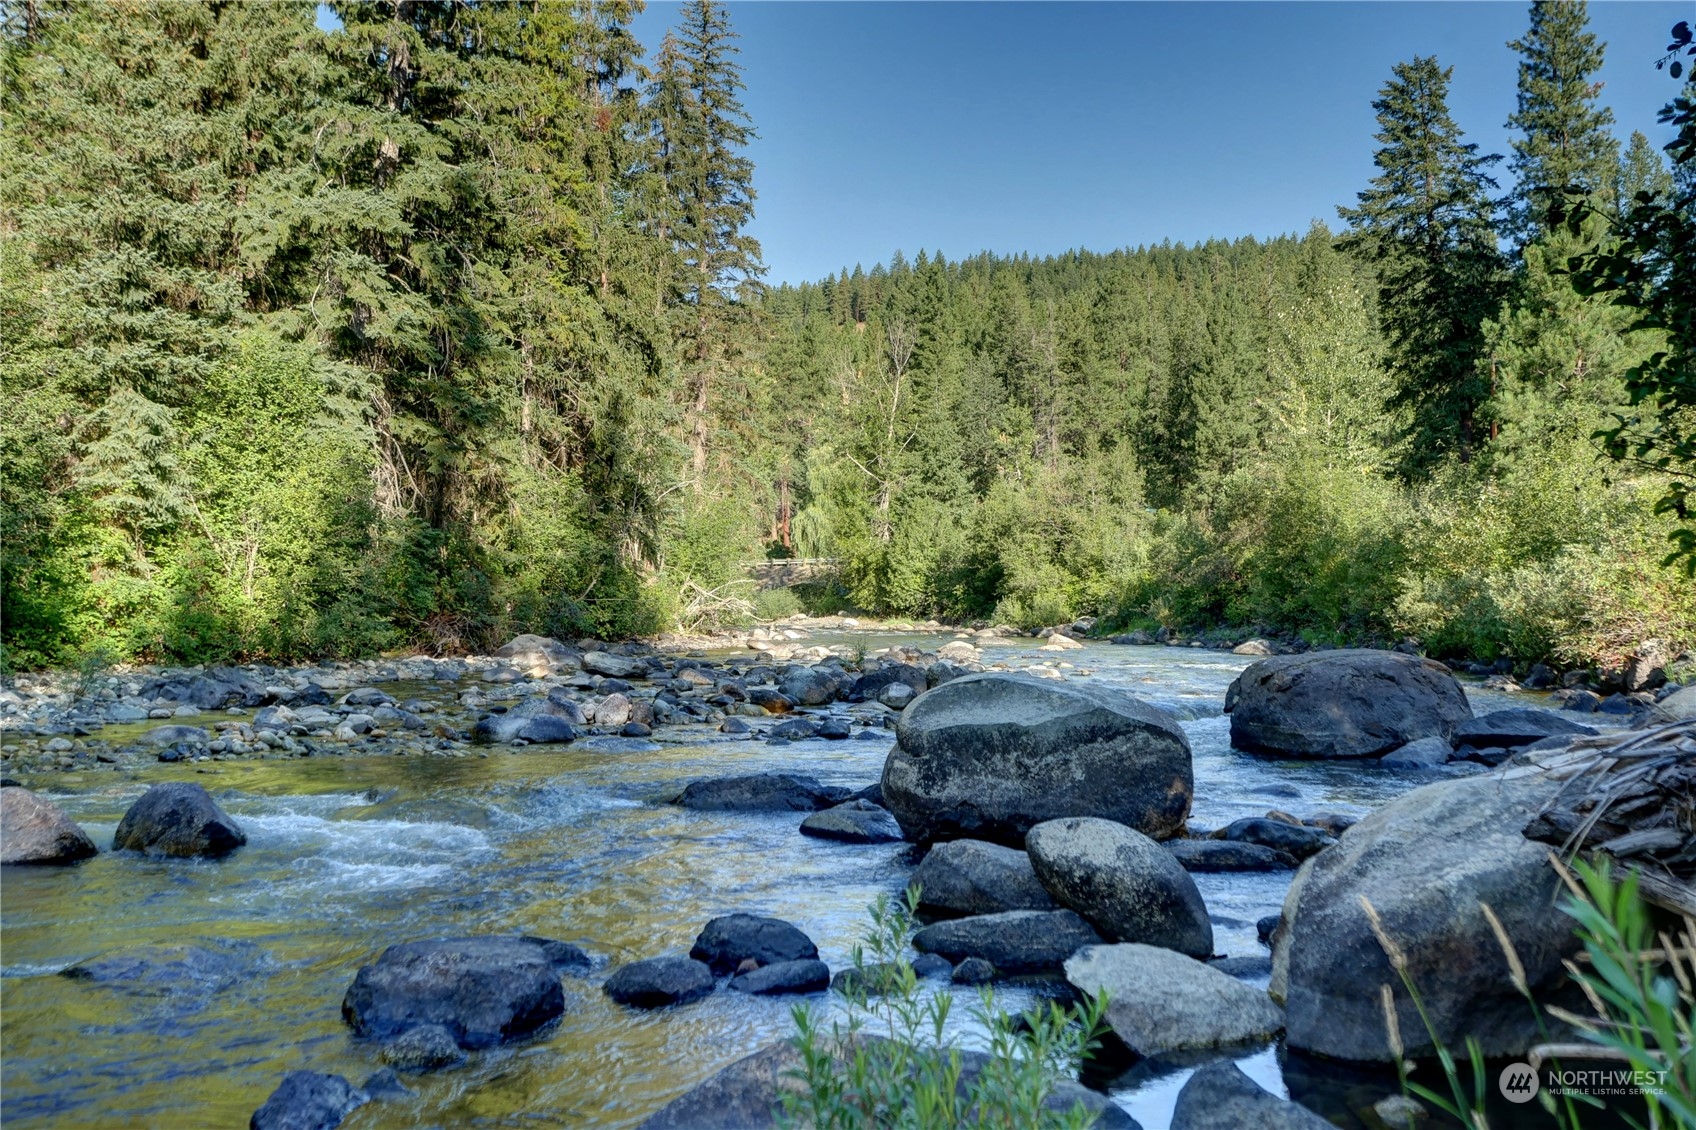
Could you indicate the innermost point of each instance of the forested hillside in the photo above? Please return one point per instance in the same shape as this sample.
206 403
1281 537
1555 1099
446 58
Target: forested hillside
447 325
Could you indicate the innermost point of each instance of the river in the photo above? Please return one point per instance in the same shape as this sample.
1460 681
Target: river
349 854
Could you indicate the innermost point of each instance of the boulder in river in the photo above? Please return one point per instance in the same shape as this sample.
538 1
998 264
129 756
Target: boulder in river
1292 839
989 756
1129 887
808 975
178 819
872 684
762 792
308 1100
726 942
1516 726
962 877
747 1095
1425 862
1221 1097
1207 856
538 654
1017 941
1161 1001
1349 703
611 666
1423 753
510 724
171 735
188 971
853 822
659 981
485 991
33 830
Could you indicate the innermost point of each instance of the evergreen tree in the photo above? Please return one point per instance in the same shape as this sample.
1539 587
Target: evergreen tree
1565 135
1642 169
701 131
1424 223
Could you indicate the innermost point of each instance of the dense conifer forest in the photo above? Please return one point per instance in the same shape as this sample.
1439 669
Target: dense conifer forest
447 325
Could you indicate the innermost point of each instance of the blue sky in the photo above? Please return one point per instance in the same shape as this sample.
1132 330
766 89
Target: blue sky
1046 126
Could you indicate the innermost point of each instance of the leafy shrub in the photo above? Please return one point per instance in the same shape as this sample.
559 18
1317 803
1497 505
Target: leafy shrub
892 1063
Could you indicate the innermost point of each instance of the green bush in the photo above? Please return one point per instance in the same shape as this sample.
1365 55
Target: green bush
891 1063
776 604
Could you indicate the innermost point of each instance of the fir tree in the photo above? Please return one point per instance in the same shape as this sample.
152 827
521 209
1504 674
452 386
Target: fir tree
1424 223
1643 169
1564 133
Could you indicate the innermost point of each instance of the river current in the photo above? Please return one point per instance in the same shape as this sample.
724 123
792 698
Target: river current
346 855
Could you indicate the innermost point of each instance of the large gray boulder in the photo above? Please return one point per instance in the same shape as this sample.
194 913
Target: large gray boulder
484 991
1221 1097
989 756
962 877
1018 941
1161 1001
1425 862
748 1094
610 666
1129 887
1350 703
178 819
33 830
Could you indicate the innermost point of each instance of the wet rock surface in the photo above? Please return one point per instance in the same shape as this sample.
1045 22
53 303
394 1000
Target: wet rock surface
989 756
178 819
483 991
1348 703
34 831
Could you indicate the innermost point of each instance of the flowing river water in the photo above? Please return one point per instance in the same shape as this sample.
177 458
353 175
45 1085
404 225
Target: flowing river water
346 855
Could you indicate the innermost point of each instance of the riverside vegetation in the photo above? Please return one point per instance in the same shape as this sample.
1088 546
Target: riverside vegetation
446 325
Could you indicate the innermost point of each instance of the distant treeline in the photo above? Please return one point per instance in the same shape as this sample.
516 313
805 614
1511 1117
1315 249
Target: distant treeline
445 325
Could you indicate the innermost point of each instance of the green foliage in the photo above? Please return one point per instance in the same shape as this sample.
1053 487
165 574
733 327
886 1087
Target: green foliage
1424 224
891 1062
1646 265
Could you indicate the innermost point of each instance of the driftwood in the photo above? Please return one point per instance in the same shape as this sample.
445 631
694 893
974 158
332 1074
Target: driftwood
1633 799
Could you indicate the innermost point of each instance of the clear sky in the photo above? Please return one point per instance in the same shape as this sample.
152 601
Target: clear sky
1042 127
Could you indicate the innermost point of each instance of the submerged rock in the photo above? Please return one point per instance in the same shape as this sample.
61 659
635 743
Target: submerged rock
308 1100
484 991
1129 887
989 756
178 819
804 976
36 831
853 822
1349 703
1161 1001
659 981
428 1047
965 877
762 792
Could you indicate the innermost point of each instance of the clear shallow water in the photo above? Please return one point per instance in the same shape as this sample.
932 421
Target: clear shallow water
348 855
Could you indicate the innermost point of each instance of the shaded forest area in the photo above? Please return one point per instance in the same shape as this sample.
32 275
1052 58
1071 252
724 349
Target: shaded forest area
447 325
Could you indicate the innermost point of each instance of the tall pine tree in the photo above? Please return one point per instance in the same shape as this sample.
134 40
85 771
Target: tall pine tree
708 185
1564 133
1424 223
